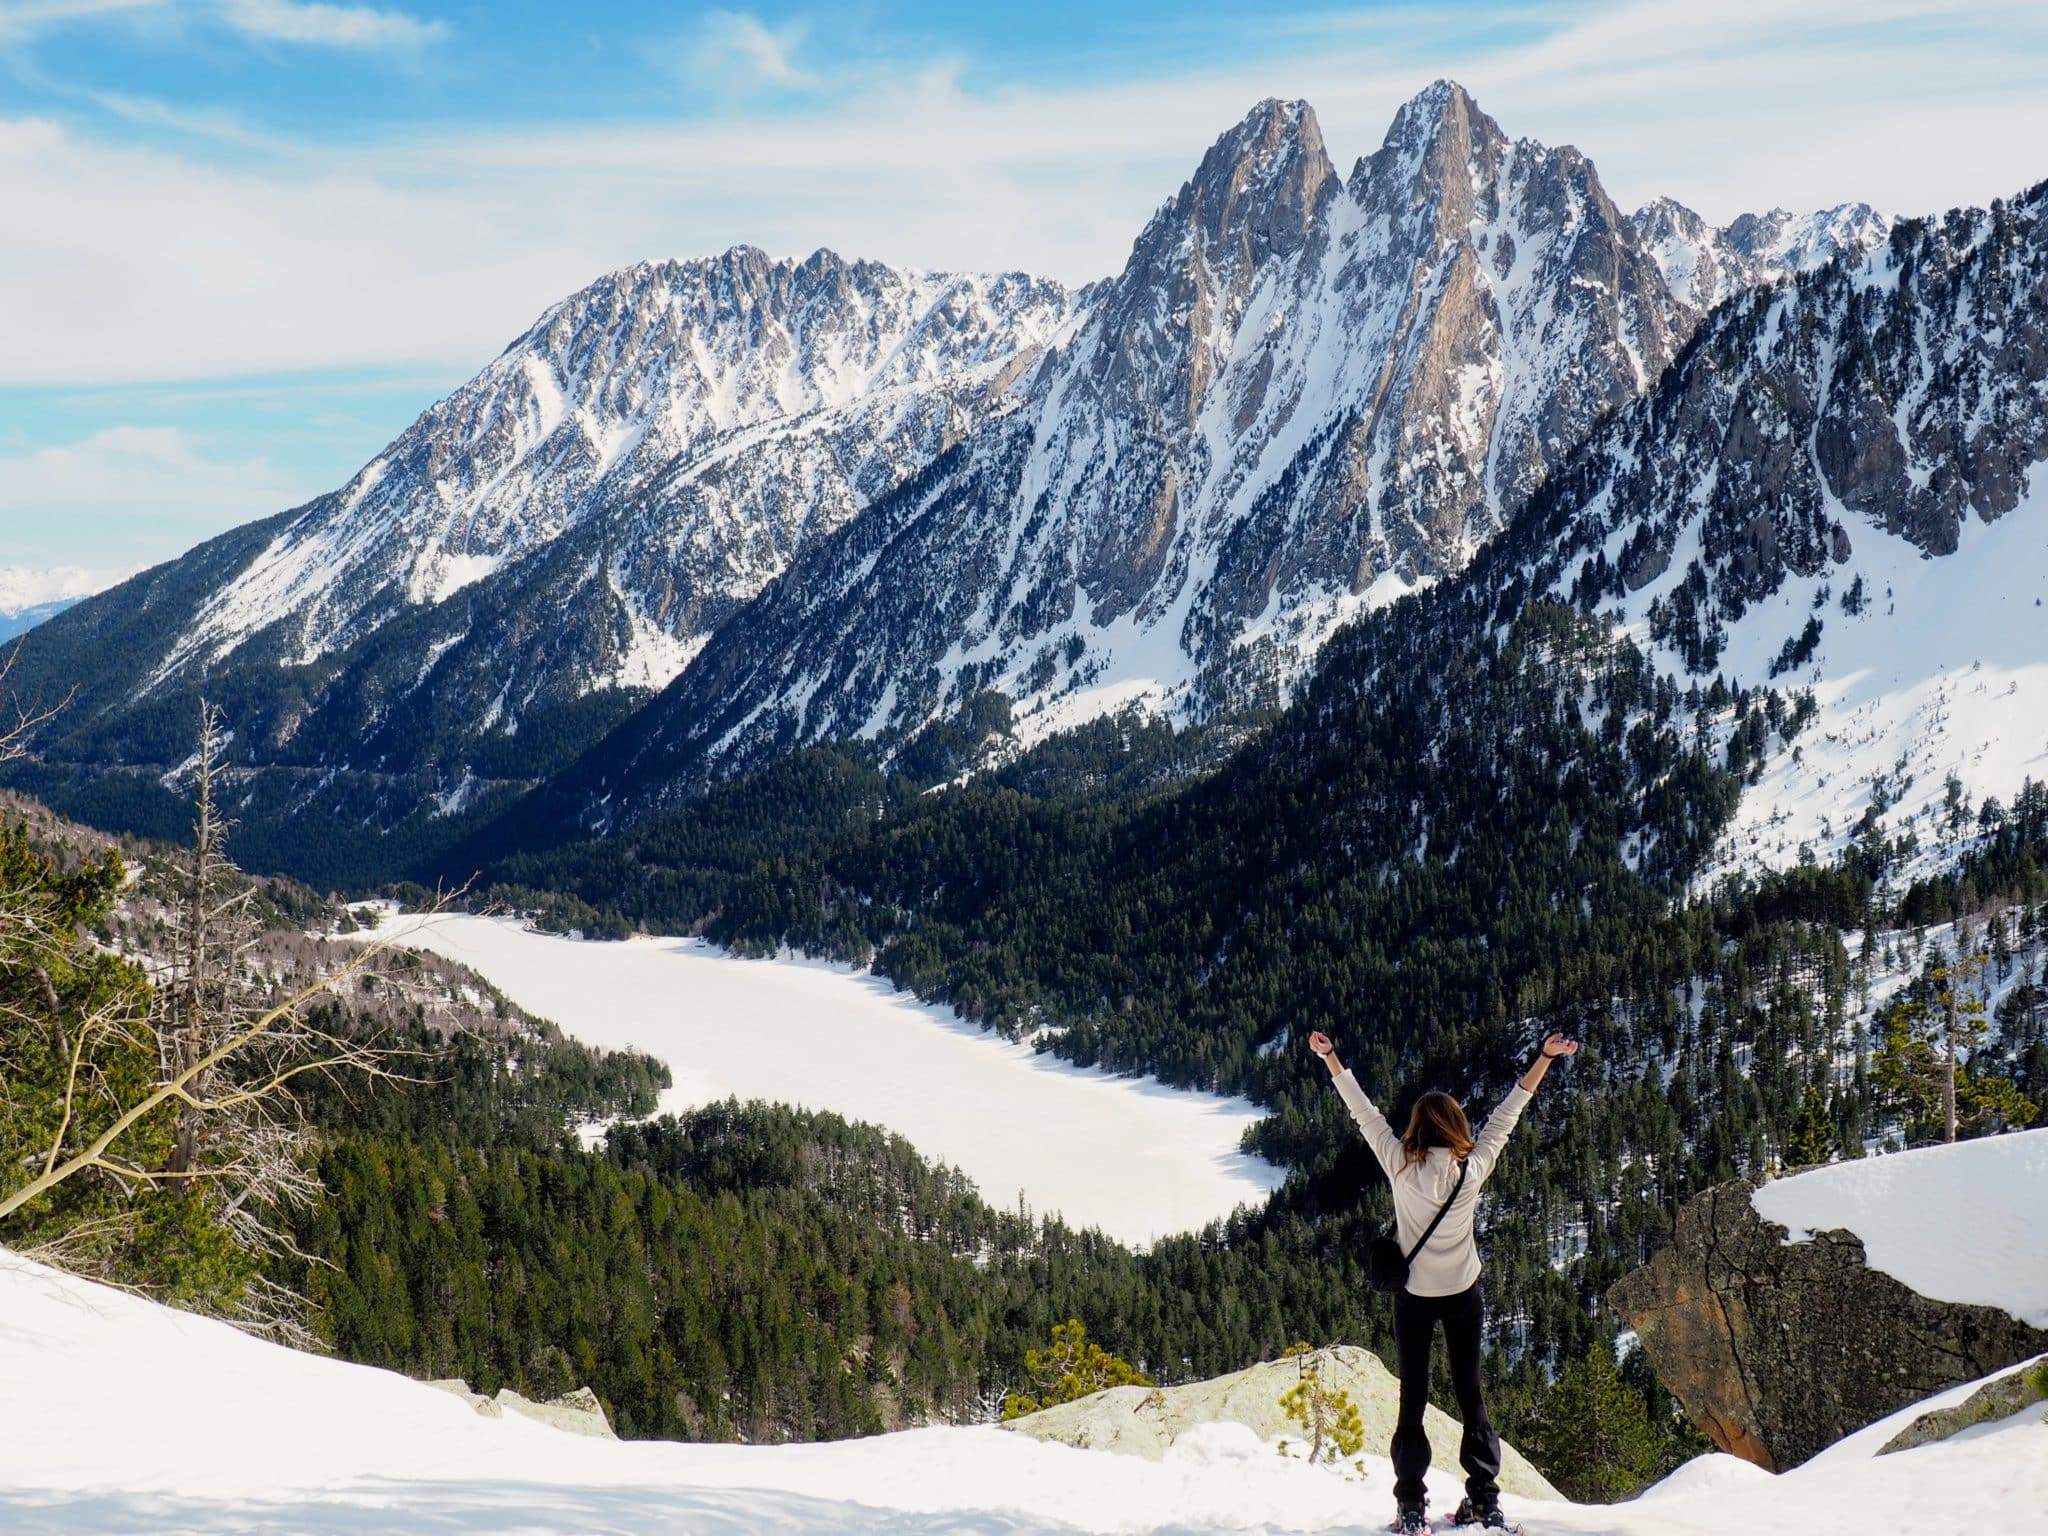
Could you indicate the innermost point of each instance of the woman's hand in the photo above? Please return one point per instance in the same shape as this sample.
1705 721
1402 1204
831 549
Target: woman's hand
1326 1048
1553 1047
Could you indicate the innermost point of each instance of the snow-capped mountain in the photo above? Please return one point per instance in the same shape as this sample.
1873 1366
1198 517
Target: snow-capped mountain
1838 489
1303 396
480 599
830 498
676 429
1705 266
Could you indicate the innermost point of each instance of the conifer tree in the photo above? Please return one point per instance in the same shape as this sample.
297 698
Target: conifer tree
1072 1367
1593 1435
1327 1415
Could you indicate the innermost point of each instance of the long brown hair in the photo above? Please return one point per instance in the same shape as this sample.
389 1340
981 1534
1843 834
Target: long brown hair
1438 1120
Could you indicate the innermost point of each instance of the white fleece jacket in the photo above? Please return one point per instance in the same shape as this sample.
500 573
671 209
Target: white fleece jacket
1450 1261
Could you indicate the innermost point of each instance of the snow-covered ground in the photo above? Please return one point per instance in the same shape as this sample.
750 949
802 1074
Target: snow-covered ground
1129 1155
119 1416
1943 672
1960 1223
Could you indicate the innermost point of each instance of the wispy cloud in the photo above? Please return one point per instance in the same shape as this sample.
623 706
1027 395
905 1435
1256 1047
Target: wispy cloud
222 127
32 16
327 26
305 22
436 249
733 52
156 482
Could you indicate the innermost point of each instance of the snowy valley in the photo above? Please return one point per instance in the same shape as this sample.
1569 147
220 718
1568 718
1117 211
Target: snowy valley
776 861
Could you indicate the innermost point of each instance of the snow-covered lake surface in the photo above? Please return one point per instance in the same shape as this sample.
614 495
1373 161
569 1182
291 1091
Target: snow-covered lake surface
1960 1223
1128 1155
121 1417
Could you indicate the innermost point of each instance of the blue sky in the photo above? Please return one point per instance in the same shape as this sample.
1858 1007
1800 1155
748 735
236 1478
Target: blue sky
247 241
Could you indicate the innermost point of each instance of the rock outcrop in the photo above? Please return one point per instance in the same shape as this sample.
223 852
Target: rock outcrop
576 1413
1778 1349
1999 1398
1144 1421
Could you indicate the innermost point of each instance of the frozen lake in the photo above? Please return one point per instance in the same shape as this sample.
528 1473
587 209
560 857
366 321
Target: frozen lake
1128 1155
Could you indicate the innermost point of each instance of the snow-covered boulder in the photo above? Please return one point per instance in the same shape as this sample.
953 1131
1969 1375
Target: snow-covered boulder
1146 1421
1788 1315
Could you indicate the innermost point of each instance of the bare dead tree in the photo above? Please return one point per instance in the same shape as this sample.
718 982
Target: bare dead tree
229 1045
281 1042
23 716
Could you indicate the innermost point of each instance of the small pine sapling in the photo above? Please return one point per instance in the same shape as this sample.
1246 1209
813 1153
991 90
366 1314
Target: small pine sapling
1327 1415
1072 1368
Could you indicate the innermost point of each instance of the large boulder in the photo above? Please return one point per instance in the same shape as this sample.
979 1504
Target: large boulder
1144 1421
1778 1348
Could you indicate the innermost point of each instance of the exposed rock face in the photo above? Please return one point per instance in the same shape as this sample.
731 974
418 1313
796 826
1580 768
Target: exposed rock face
1778 1350
1143 1421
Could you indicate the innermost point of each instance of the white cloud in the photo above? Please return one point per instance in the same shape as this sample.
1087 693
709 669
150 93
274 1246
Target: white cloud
734 49
149 264
150 491
307 22
330 26
25 587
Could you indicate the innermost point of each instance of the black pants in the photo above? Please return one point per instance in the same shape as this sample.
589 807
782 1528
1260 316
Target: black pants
1415 1320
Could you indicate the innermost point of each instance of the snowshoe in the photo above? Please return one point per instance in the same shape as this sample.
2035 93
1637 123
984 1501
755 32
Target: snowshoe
1486 1516
1411 1522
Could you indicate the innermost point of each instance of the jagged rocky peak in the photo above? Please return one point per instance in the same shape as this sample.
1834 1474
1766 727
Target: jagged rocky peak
1262 187
1706 265
1519 308
1166 323
1439 151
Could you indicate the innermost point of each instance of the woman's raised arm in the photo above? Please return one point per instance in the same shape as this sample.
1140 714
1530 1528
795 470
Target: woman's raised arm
1386 1146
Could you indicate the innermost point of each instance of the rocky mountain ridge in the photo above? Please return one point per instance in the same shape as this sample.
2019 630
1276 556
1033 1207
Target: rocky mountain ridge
1304 396
1836 491
887 495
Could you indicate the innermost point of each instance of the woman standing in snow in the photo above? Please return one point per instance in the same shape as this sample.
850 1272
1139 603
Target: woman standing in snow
1425 1165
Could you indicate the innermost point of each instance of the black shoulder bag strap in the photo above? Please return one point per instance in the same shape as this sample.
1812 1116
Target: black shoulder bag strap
1442 1211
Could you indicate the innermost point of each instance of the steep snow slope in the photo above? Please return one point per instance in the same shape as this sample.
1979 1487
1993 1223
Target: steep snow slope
821 1037
1837 488
1958 1223
1944 674
122 1417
